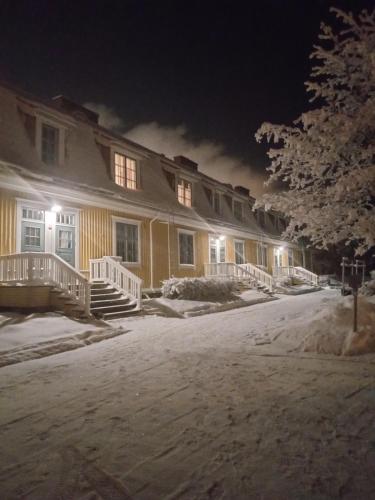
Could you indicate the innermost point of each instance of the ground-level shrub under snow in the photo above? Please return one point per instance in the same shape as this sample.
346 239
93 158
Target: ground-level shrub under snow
333 333
198 289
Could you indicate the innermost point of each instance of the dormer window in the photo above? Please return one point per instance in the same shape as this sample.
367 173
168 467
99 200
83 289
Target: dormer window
125 171
217 206
50 144
184 192
237 209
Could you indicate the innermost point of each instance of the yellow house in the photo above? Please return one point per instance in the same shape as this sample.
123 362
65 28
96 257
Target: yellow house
82 208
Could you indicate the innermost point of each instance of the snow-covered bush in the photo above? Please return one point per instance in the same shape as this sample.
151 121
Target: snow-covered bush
368 288
198 289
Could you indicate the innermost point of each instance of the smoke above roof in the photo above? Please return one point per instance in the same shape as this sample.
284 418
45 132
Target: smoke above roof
174 141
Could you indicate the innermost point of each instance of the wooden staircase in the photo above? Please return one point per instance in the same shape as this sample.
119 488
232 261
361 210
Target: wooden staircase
108 303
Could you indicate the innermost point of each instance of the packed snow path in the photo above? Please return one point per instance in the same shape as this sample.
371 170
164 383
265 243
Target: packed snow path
191 409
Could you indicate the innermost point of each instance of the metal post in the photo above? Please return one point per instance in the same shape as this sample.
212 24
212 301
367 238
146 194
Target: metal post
355 294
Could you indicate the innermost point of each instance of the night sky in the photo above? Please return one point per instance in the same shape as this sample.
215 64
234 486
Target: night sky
220 68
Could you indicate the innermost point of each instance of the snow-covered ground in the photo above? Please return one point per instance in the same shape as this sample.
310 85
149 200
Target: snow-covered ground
215 406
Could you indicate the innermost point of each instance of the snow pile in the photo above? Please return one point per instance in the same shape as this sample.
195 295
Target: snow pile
368 288
333 333
198 289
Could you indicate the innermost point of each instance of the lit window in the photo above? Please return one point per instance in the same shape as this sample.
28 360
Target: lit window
186 248
50 144
125 171
184 192
237 209
217 250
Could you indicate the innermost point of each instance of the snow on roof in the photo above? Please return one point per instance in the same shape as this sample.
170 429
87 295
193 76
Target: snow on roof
85 167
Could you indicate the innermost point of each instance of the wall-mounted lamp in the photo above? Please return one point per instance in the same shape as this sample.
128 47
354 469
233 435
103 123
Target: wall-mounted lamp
56 208
222 237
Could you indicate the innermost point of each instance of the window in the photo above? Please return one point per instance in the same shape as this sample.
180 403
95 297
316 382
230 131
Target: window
237 209
65 239
217 203
260 217
186 248
63 218
33 214
50 144
184 192
239 252
262 254
127 242
125 171
290 257
32 236
217 249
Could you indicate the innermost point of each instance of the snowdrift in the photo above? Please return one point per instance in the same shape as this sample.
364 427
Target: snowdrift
333 333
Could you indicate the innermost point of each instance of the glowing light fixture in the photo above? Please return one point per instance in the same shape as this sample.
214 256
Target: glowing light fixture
222 237
281 249
56 208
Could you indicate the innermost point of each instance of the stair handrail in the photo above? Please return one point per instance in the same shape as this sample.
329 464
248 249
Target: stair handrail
230 269
113 271
260 275
46 268
306 274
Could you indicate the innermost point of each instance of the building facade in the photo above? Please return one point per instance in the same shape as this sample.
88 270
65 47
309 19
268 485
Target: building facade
74 189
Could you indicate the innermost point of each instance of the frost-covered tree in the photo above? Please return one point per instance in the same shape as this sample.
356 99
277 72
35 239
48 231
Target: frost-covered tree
327 158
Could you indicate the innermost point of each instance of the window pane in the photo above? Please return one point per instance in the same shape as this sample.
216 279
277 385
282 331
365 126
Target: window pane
186 244
50 142
125 171
237 209
127 241
32 236
239 252
65 239
184 192
32 214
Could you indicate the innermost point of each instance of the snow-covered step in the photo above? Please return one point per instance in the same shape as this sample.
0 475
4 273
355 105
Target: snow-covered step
109 303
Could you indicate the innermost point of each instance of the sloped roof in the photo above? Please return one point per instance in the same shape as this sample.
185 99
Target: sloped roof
85 166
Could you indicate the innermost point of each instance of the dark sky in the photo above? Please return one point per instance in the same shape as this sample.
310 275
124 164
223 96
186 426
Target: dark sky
220 67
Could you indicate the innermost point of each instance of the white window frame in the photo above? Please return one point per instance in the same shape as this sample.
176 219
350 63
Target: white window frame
192 233
290 252
261 245
120 149
244 249
42 120
133 222
22 202
217 248
220 202
241 204
184 179
125 156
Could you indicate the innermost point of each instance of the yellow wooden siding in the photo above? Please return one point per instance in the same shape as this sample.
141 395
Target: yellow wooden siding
251 251
8 219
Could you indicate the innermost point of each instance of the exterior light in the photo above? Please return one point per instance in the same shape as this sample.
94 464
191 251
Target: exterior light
56 208
281 249
222 237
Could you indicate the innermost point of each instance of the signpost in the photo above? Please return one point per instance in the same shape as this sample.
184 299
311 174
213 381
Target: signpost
354 282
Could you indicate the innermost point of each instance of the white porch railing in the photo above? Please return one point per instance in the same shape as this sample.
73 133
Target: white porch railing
299 272
239 271
48 269
307 275
112 271
260 275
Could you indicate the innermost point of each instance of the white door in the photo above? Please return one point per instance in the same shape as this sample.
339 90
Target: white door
217 250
